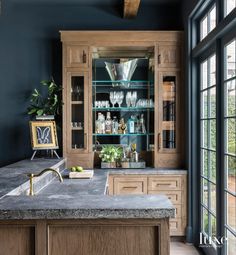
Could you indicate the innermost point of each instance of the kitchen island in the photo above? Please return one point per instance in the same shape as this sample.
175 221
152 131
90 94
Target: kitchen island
78 217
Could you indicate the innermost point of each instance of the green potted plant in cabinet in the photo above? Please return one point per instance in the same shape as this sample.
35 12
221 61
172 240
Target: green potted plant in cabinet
110 155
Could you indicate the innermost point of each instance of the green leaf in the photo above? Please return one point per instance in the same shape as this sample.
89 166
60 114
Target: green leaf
40 112
34 110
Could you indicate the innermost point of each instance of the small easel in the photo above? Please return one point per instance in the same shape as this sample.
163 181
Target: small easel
44 137
52 152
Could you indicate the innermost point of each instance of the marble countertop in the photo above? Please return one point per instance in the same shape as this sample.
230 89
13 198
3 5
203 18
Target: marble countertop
75 198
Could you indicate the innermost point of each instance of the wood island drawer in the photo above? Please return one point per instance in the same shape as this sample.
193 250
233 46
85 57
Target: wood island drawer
126 186
174 196
164 183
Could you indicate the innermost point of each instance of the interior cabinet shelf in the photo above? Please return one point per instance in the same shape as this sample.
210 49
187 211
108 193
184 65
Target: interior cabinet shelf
114 109
77 102
133 134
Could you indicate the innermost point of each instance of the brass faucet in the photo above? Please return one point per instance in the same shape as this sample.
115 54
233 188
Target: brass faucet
31 176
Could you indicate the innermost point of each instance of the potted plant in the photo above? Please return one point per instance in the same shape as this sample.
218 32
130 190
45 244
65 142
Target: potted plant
110 155
49 105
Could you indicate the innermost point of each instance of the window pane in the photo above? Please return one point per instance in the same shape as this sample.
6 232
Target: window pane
204 75
204 133
205 221
204 31
204 109
231 243
231 170
230 60
213 134
230 5
212 17
213 166
212 98
231 135
205 163
231 211
231 98
213 225
205 192
213 197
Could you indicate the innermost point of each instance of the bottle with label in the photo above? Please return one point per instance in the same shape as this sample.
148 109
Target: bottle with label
115 125
122 127
142 124
131 125
98 124
108 124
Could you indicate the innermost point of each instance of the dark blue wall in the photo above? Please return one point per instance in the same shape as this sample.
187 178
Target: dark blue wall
30 51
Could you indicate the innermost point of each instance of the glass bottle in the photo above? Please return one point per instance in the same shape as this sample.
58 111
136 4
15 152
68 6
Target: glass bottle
98 124
131 125
142 124
115 125
108 124
122 126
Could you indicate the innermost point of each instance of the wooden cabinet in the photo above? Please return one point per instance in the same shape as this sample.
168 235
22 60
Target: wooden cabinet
168 56
85 237
173 186
77 56
162 51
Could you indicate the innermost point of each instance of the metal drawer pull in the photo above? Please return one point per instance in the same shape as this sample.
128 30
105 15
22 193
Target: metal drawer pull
130 187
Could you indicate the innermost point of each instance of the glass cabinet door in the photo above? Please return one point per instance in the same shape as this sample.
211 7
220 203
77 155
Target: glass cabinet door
167 134
78 123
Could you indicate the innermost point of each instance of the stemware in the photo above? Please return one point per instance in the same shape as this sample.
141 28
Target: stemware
128 98
120 97
133 98
112 98
77 92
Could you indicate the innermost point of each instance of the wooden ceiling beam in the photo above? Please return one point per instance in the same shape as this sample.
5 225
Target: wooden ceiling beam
131 8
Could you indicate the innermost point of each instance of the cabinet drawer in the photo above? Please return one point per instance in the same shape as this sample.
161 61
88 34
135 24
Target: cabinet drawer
176 227
77 56
164 183
126 186
174 196
178 211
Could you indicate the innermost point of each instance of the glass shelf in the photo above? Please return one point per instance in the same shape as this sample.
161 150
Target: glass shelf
133 134
114 109
138 84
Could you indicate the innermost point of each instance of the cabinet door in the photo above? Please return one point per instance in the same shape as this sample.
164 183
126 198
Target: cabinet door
168 56
77 112
168 112
130 185
77 56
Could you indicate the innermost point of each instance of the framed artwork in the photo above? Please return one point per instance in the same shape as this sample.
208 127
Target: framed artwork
43 135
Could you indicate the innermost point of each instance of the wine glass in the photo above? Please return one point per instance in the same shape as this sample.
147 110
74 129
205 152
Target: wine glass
127 98
77 92
112 98
120 97
133 98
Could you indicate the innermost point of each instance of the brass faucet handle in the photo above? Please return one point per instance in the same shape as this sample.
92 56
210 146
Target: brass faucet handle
30 174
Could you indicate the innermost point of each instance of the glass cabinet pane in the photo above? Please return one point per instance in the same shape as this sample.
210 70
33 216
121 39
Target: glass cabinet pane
77 112
169 112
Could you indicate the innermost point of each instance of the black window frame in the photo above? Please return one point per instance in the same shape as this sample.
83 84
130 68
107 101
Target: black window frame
225 26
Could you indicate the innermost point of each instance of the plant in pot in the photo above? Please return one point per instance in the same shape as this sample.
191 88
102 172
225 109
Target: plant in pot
110 155
48 105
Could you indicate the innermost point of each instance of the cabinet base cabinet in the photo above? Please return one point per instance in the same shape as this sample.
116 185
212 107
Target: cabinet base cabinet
86 237
173 186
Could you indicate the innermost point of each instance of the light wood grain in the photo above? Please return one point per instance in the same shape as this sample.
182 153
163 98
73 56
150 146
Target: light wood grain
131 8
166 47
16 240
173 186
